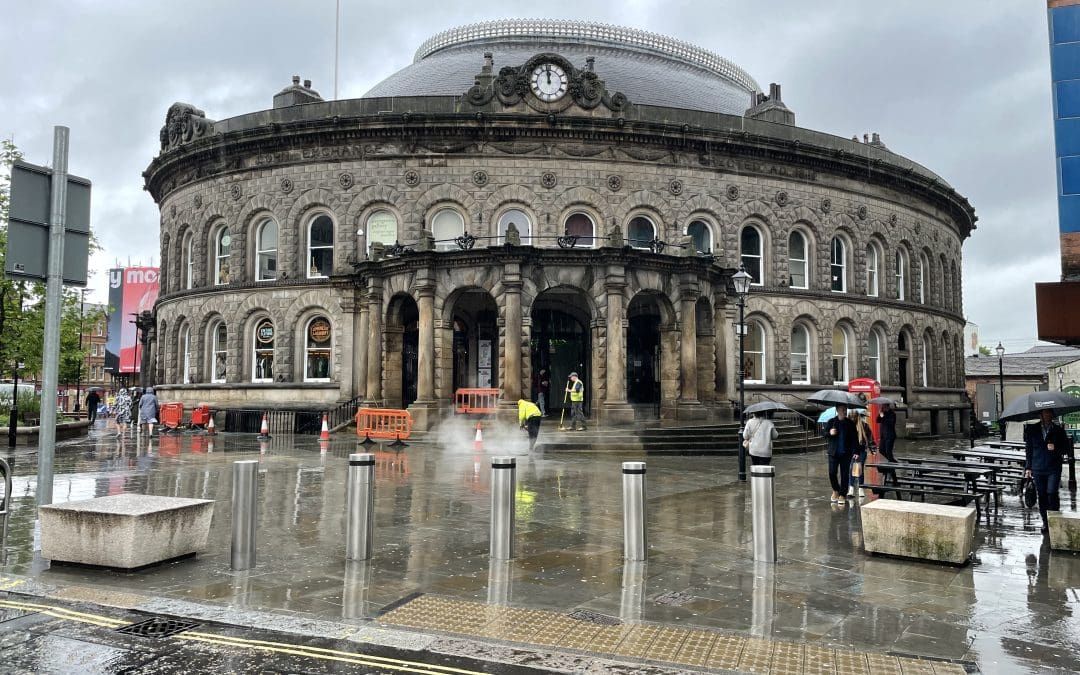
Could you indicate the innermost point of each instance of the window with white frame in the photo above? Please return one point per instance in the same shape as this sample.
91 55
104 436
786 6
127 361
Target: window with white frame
318 338
266 250
750 253
520 220
185 354
840 355
222 246
640 232
901 275
320 250
924 275
754 353
262 351
580 225
873 262
927 356
99 328
446 226
873 355
700 236
800 355
797 260
381 227
219 352
189 261
838 266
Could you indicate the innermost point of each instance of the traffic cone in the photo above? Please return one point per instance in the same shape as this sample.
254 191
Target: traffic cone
210 428
323 447
324 435
264 430
478 443
263 445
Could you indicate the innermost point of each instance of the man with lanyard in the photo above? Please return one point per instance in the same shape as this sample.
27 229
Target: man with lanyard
576 389
529 418
1045 445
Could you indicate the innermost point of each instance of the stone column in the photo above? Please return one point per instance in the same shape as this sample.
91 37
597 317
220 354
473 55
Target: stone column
511 368
360 348
344 347
688 357
424 409
373 395
615 408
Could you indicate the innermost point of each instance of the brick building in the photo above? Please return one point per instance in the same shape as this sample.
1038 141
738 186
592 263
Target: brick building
556 195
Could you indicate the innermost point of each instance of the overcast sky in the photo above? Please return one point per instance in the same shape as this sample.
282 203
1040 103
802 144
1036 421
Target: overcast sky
961 87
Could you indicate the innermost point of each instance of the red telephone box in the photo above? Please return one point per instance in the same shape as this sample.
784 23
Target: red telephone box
870 388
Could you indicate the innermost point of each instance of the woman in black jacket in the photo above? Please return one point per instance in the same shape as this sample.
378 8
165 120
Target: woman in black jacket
843 441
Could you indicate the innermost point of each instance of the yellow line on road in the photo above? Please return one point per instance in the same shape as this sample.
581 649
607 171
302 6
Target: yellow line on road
61 613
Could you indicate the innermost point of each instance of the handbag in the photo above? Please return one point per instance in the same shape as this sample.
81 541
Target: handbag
856 469
1030 495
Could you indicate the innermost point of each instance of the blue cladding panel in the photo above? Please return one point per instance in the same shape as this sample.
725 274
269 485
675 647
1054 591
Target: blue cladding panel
1069 214
1065 24
1065 62
1067 98
1070 175
1067 137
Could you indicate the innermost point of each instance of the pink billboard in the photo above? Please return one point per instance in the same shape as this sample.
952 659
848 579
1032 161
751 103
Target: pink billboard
132 290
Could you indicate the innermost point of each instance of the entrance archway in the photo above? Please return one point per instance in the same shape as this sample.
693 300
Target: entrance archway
402 350
560 344
475 352
643 352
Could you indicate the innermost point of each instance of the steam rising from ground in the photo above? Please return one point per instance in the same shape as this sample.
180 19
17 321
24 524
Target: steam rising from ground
457 434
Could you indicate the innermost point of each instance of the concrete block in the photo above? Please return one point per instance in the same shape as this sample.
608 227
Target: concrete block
919 530
1064 530
125 531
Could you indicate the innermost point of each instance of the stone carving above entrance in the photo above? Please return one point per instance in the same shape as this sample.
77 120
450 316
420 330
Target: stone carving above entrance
184 123
526 84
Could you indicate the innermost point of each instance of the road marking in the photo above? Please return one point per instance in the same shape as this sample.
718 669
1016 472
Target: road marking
8 582
61 613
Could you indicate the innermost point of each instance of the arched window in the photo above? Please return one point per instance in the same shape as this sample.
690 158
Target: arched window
266 250
520 220
754 352
189 260
318 339
222 244
320 251
700 236
901 274
219 352
750 253
185 354
927 356
873 263
800 355
924 277
840 355
381 227
446 226
262 351
873 355
838 266
580 225
797 260
957 288
640 232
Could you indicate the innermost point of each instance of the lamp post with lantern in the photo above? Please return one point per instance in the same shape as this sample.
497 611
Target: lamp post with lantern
1001 387
742 280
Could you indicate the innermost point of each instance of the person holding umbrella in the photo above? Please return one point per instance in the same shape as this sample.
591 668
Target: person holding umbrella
843 438
886 420
1045 445
758 438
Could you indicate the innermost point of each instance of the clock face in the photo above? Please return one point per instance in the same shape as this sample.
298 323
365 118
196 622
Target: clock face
548 82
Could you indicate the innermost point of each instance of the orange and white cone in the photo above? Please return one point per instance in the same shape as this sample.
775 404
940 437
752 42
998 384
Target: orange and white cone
264 430
210 428
478 443
324 435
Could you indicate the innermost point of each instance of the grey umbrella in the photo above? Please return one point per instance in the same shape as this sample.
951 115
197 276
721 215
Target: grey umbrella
882 400
831 397
765 406
1028 406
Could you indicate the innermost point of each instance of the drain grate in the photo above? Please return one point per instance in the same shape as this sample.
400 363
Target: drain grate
589 616
674 599
158 627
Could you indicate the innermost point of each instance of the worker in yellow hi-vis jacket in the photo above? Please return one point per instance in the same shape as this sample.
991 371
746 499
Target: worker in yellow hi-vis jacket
529 418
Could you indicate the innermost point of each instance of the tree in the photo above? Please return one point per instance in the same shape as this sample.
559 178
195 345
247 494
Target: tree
984 350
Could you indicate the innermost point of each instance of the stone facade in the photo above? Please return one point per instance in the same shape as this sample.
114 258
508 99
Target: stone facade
421 306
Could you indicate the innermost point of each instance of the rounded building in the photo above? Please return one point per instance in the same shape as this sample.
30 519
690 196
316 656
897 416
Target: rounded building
549 194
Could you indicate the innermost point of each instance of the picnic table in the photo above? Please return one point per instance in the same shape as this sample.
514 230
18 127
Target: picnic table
969 472
926 476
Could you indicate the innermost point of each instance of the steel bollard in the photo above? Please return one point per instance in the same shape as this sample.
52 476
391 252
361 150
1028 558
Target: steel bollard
632 597
635 538
245 486
761 499
354 597
500 581
503 496
360 502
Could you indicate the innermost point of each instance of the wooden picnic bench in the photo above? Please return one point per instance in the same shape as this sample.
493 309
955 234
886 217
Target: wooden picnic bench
911 490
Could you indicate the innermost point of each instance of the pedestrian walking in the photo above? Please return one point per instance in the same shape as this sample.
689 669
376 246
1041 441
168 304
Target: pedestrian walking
758 436
575 388
148 410
122 409
93 400
1045 445
529 418
886 420
543 391
843 440
864 447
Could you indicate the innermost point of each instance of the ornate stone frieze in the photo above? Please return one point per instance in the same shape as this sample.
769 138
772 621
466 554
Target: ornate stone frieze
512 86
184 123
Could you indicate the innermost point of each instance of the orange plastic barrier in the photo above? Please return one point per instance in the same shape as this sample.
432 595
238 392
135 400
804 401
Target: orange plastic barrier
476 401
171 414
383 423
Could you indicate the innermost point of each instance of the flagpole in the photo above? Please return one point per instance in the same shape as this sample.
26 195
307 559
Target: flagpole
337 42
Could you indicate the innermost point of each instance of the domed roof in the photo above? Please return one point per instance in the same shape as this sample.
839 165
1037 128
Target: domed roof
648 68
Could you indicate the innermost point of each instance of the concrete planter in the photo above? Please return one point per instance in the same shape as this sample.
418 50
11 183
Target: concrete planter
919 530
64 431
1064 530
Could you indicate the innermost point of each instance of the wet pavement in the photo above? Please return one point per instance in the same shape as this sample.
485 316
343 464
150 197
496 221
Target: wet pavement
1013 609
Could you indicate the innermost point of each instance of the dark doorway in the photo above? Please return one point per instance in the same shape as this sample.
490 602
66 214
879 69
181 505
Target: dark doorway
560 344
903 360
475 341
410 344
402 342
643 352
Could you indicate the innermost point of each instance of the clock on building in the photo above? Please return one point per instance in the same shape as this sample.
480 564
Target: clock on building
548 82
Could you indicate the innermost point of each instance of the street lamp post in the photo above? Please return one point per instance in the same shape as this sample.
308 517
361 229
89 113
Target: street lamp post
1001 387
1061 379
78 375
742 281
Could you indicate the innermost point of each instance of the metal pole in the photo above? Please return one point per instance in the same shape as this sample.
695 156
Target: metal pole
503 496
354 598
635 538
742 378
360 501
13 420
1001 390
78 377
632 597
245 485
761 499
337 42
5 509
54 290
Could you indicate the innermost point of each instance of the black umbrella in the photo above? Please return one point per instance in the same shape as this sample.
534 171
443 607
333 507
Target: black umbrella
765 406
882 400
1028 406
831 397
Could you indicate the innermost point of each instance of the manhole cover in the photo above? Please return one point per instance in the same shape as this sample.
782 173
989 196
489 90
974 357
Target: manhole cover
590 616
158 627
673 598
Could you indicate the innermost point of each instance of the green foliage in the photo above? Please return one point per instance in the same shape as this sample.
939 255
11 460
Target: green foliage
984 350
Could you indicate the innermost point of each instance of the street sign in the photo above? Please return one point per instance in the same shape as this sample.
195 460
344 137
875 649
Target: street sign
28 225
740 329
